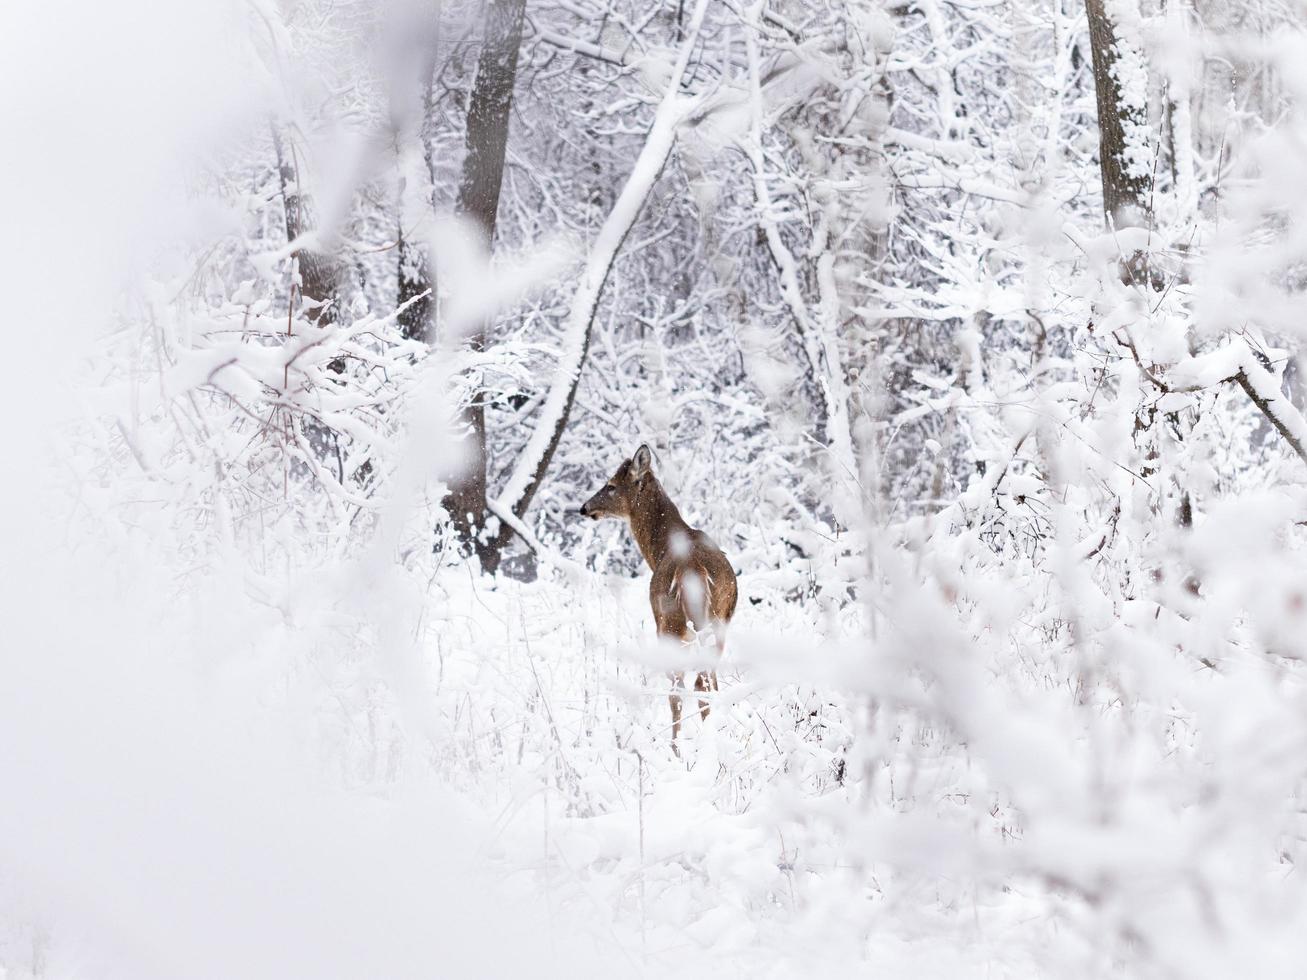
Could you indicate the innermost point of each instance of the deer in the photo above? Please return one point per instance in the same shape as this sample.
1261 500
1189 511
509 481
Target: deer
693 588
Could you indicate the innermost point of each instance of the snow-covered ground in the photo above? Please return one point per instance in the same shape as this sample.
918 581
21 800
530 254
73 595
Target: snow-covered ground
742 858
230 787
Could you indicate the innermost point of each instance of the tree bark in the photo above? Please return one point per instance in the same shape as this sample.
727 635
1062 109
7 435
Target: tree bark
1127 181
478 201
414 294
318 272
318 287
413 48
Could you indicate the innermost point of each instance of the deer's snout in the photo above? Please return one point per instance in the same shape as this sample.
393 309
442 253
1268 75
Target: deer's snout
600 505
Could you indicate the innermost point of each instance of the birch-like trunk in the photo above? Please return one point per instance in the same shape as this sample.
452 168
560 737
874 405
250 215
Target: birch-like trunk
552 420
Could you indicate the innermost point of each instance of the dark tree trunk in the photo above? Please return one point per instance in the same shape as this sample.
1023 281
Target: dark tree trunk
478 201
318 290
415 290
487 115
318 272
1125 194
414 280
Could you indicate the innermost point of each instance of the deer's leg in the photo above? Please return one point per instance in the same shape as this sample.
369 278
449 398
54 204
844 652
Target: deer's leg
678 683
719 635
702 685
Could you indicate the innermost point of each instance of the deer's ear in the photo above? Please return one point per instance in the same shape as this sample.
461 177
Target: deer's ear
640 462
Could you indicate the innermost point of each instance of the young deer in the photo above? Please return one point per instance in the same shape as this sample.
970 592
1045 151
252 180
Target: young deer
693 584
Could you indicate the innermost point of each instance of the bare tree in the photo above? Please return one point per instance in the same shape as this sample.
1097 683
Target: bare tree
478 200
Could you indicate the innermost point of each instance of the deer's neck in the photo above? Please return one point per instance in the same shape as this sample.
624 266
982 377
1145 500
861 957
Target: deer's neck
654 520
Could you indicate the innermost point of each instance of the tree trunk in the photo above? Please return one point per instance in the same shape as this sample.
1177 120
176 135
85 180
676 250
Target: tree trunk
318 272
414 292
478 201
1122 117
412 115
318 287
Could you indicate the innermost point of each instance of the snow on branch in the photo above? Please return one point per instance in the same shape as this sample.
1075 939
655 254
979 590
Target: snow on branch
544 553
577 46
1239 363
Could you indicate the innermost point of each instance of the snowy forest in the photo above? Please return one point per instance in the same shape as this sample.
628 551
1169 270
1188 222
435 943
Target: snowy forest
968 332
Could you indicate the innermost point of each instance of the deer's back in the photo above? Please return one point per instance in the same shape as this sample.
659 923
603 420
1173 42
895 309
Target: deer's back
697 588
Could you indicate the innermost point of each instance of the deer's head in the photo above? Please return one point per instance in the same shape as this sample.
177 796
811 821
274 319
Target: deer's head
617 497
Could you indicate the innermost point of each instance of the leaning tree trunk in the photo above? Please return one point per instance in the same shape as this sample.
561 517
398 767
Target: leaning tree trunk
478 201
551 421
1120 83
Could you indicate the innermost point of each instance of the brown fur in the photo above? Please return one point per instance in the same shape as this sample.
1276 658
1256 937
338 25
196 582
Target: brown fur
693 584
